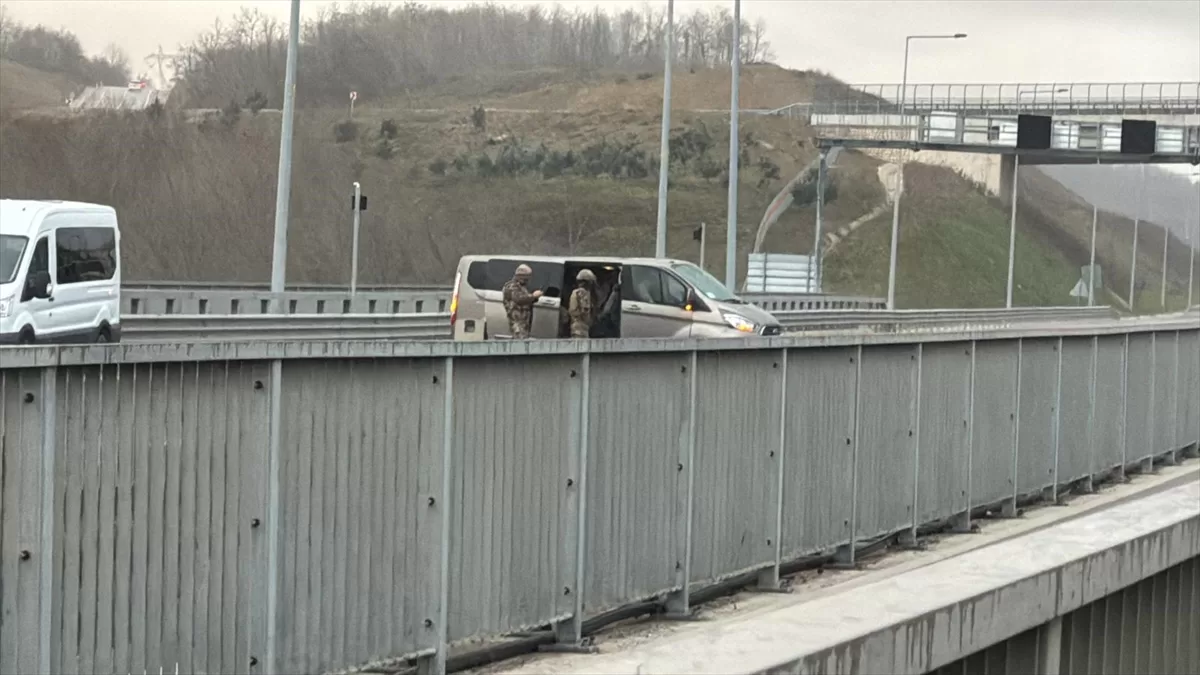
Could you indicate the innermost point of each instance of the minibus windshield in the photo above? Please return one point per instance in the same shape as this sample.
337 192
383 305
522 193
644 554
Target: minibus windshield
11 248
705 283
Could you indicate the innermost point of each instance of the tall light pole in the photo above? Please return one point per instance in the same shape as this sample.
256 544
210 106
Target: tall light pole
1193 227
283 189
735 60
283 194
1137 221
891 297
664 162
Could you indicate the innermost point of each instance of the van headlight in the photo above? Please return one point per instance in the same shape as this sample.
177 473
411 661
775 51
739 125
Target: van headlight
740 323
5 306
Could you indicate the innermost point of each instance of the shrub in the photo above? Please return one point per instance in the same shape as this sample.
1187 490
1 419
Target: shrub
231 113
388 129
383 149
345 131
256 101
438 167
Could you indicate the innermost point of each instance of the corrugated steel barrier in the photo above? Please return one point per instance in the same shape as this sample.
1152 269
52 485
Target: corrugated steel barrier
1148 628
301 507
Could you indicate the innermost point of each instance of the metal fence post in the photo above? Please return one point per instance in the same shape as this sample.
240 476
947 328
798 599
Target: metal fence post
274 514
768 579
909 538
1124 409
1010 509
46 568
569 633
435 664
1089 483
1050 493
1148 460
678 603
1176 442
964 524
844 557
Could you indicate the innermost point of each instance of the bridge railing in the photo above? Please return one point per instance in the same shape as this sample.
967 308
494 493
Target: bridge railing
173 506
1080 98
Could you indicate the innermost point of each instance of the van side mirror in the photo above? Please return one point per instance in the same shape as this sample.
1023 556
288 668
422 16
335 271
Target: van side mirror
37 285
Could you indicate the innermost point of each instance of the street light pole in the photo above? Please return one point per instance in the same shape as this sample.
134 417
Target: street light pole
664 162
891 296
735 60
283 189
1137 220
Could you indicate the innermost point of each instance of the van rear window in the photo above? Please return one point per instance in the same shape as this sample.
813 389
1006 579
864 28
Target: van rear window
491 275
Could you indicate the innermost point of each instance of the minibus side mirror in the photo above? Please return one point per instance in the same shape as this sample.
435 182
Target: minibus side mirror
37 285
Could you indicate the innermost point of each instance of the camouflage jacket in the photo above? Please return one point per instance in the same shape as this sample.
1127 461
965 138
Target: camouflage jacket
518 305
579 308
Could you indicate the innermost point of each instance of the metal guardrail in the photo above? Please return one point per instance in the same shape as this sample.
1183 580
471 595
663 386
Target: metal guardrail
306 507
165 298
266 287
166 301
179 327
434 326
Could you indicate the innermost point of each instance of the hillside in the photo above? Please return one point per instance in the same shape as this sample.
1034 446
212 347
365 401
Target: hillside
196 199
23 88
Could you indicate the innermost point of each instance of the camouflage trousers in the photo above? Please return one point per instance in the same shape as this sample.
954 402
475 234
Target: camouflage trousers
519 331
580 329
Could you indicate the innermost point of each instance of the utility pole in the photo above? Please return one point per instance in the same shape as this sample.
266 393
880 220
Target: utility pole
735 60
664 161
283 189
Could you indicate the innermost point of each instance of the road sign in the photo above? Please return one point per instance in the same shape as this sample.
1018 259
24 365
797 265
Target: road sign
354 96
1080 290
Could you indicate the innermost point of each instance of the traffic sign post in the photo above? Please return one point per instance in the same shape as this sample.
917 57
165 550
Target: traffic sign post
353 98
358 204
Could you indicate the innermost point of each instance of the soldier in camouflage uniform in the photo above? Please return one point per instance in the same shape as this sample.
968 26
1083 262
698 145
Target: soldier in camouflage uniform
580 306
518 302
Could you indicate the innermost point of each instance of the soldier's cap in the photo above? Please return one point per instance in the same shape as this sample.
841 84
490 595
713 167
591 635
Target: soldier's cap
524 270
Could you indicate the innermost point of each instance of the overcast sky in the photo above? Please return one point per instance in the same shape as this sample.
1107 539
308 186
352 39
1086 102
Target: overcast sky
861 41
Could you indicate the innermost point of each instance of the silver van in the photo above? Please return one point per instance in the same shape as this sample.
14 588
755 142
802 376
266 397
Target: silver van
635 297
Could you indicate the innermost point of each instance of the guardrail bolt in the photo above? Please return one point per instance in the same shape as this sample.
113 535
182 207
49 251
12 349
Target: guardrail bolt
683 369
258 384
429 623
253 661
25 555
771 453
29 397
847 441
910 433
255 522
774 365
573 373
435 379
566 590
432 501
768 542
570 482
679 466
678 565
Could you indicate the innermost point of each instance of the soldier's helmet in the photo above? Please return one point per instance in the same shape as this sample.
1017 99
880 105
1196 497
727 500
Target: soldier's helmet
586 275
524 271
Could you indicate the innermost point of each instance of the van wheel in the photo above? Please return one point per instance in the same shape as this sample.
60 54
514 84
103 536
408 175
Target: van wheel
26 337
104 335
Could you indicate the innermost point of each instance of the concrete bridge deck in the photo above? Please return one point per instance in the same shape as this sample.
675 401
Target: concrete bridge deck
915 612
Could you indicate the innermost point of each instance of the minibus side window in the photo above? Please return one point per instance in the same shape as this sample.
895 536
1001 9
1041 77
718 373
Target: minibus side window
86 254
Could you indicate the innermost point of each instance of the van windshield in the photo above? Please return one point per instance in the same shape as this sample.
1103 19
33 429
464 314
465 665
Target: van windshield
11 248
705 283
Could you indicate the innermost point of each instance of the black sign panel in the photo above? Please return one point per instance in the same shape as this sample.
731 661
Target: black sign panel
1033 132
1138 137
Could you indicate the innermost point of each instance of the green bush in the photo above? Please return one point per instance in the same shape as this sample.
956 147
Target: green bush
388 129
345 131
438 167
